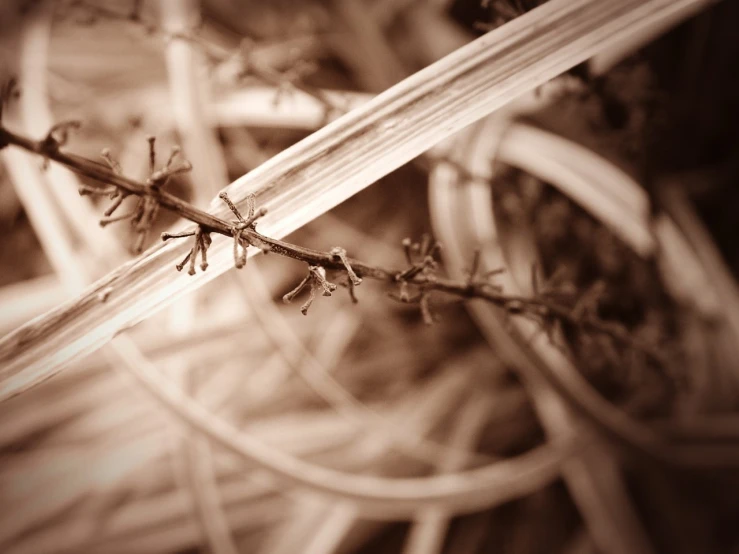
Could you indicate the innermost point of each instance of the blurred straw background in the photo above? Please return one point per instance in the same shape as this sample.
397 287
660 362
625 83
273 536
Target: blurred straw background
620 174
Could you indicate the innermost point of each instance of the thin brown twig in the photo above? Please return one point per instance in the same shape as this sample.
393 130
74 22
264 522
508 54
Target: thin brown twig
421 275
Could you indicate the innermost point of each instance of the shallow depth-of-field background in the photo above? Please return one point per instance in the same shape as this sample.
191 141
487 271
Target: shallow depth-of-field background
89 462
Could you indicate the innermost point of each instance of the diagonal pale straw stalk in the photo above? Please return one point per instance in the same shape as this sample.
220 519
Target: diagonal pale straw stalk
341 159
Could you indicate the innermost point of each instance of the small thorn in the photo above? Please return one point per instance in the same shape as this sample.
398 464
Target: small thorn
193 258
340 253
148 213
117 201
168 236
224 196
113 164
352 295
316 278
181 265
293 293
172 155
152 153
108 220
59 134
308 303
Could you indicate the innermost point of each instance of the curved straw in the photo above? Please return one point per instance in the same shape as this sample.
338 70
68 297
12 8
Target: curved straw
603 189
611 196
376 497
558 369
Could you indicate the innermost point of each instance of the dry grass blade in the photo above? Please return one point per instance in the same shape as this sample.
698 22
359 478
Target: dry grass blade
339 160
377 497
23 301
319 525
428 532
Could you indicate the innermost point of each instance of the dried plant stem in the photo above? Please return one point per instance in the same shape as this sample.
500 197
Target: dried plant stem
331 165
331 260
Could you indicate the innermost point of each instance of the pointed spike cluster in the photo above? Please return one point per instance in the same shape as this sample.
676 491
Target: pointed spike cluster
143 220
316 279
240 243
159 178
474 276
201 243
113 192
421 258
146 210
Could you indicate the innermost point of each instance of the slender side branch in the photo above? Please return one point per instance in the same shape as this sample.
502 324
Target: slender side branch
421 274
